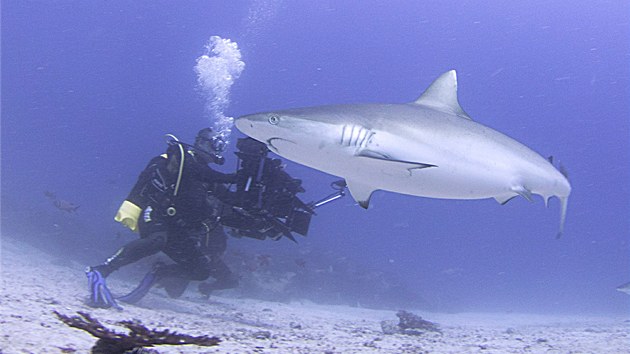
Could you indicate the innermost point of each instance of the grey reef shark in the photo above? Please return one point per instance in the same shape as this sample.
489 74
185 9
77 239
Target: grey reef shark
429 147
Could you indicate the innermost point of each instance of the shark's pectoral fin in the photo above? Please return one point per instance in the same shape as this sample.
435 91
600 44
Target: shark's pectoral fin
360 192
393 167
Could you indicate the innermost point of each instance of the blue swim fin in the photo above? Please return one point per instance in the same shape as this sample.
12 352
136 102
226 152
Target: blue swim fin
100 296
142 289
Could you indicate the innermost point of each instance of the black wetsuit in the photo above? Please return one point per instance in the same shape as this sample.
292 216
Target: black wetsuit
182 223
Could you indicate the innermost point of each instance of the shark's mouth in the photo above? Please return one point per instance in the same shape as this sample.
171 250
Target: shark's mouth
273 148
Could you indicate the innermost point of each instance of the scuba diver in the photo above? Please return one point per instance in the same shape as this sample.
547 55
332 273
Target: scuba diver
176 206
181 207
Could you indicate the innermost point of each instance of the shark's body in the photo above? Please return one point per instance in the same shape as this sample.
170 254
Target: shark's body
429 148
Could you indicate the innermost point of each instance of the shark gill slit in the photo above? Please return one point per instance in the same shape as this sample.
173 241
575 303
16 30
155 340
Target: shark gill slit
343 134
350 135
355 134
360 143
367 139
358 135
347 135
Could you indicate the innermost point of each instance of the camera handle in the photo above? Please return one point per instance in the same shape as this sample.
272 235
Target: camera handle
340 186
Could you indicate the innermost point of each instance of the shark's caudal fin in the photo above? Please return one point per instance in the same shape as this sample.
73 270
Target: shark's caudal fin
564 201
527 194
442 95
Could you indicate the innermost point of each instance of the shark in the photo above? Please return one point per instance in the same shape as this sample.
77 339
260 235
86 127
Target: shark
624 288
429 148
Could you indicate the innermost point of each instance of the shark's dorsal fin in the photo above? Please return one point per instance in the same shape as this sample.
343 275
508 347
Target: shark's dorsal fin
442 95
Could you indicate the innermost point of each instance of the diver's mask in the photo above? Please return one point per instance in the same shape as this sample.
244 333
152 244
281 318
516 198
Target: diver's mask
212 145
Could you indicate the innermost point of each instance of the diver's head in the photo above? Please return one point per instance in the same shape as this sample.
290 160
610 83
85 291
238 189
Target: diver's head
211 146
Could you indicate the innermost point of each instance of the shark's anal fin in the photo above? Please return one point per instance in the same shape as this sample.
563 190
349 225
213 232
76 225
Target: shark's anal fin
523 192
360 192
515 191
502 199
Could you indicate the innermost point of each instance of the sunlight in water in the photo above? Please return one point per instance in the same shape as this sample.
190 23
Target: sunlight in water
217 70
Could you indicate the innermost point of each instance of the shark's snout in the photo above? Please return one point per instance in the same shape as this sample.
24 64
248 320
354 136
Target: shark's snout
243 123
255 126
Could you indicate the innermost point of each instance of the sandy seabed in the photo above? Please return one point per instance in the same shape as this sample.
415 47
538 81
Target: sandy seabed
34 284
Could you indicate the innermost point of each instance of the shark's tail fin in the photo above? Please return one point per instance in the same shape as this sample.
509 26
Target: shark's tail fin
563 214
564 200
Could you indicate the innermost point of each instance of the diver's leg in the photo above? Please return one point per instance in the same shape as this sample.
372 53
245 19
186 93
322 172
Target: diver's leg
214 247
186 248
191 262
182 248
100 295
133 252
174 286
224 277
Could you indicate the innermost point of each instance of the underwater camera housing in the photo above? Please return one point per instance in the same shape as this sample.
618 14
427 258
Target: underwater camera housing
265 202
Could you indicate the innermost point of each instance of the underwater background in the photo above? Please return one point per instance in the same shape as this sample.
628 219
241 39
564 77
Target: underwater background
89 89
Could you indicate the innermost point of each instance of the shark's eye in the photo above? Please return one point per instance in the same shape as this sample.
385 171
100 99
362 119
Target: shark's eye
274 119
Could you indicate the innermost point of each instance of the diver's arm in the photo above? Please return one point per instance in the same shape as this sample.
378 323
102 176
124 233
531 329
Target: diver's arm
136 201
211 176
136 194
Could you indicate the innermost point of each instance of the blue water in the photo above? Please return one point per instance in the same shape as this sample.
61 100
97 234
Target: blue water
90 88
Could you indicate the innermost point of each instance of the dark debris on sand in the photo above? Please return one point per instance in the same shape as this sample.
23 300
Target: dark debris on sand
139 337
410 324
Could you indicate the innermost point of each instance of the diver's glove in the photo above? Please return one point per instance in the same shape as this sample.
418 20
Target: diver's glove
143 288
100 296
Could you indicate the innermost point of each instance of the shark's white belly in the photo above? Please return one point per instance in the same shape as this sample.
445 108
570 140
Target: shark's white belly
448 180
436 182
